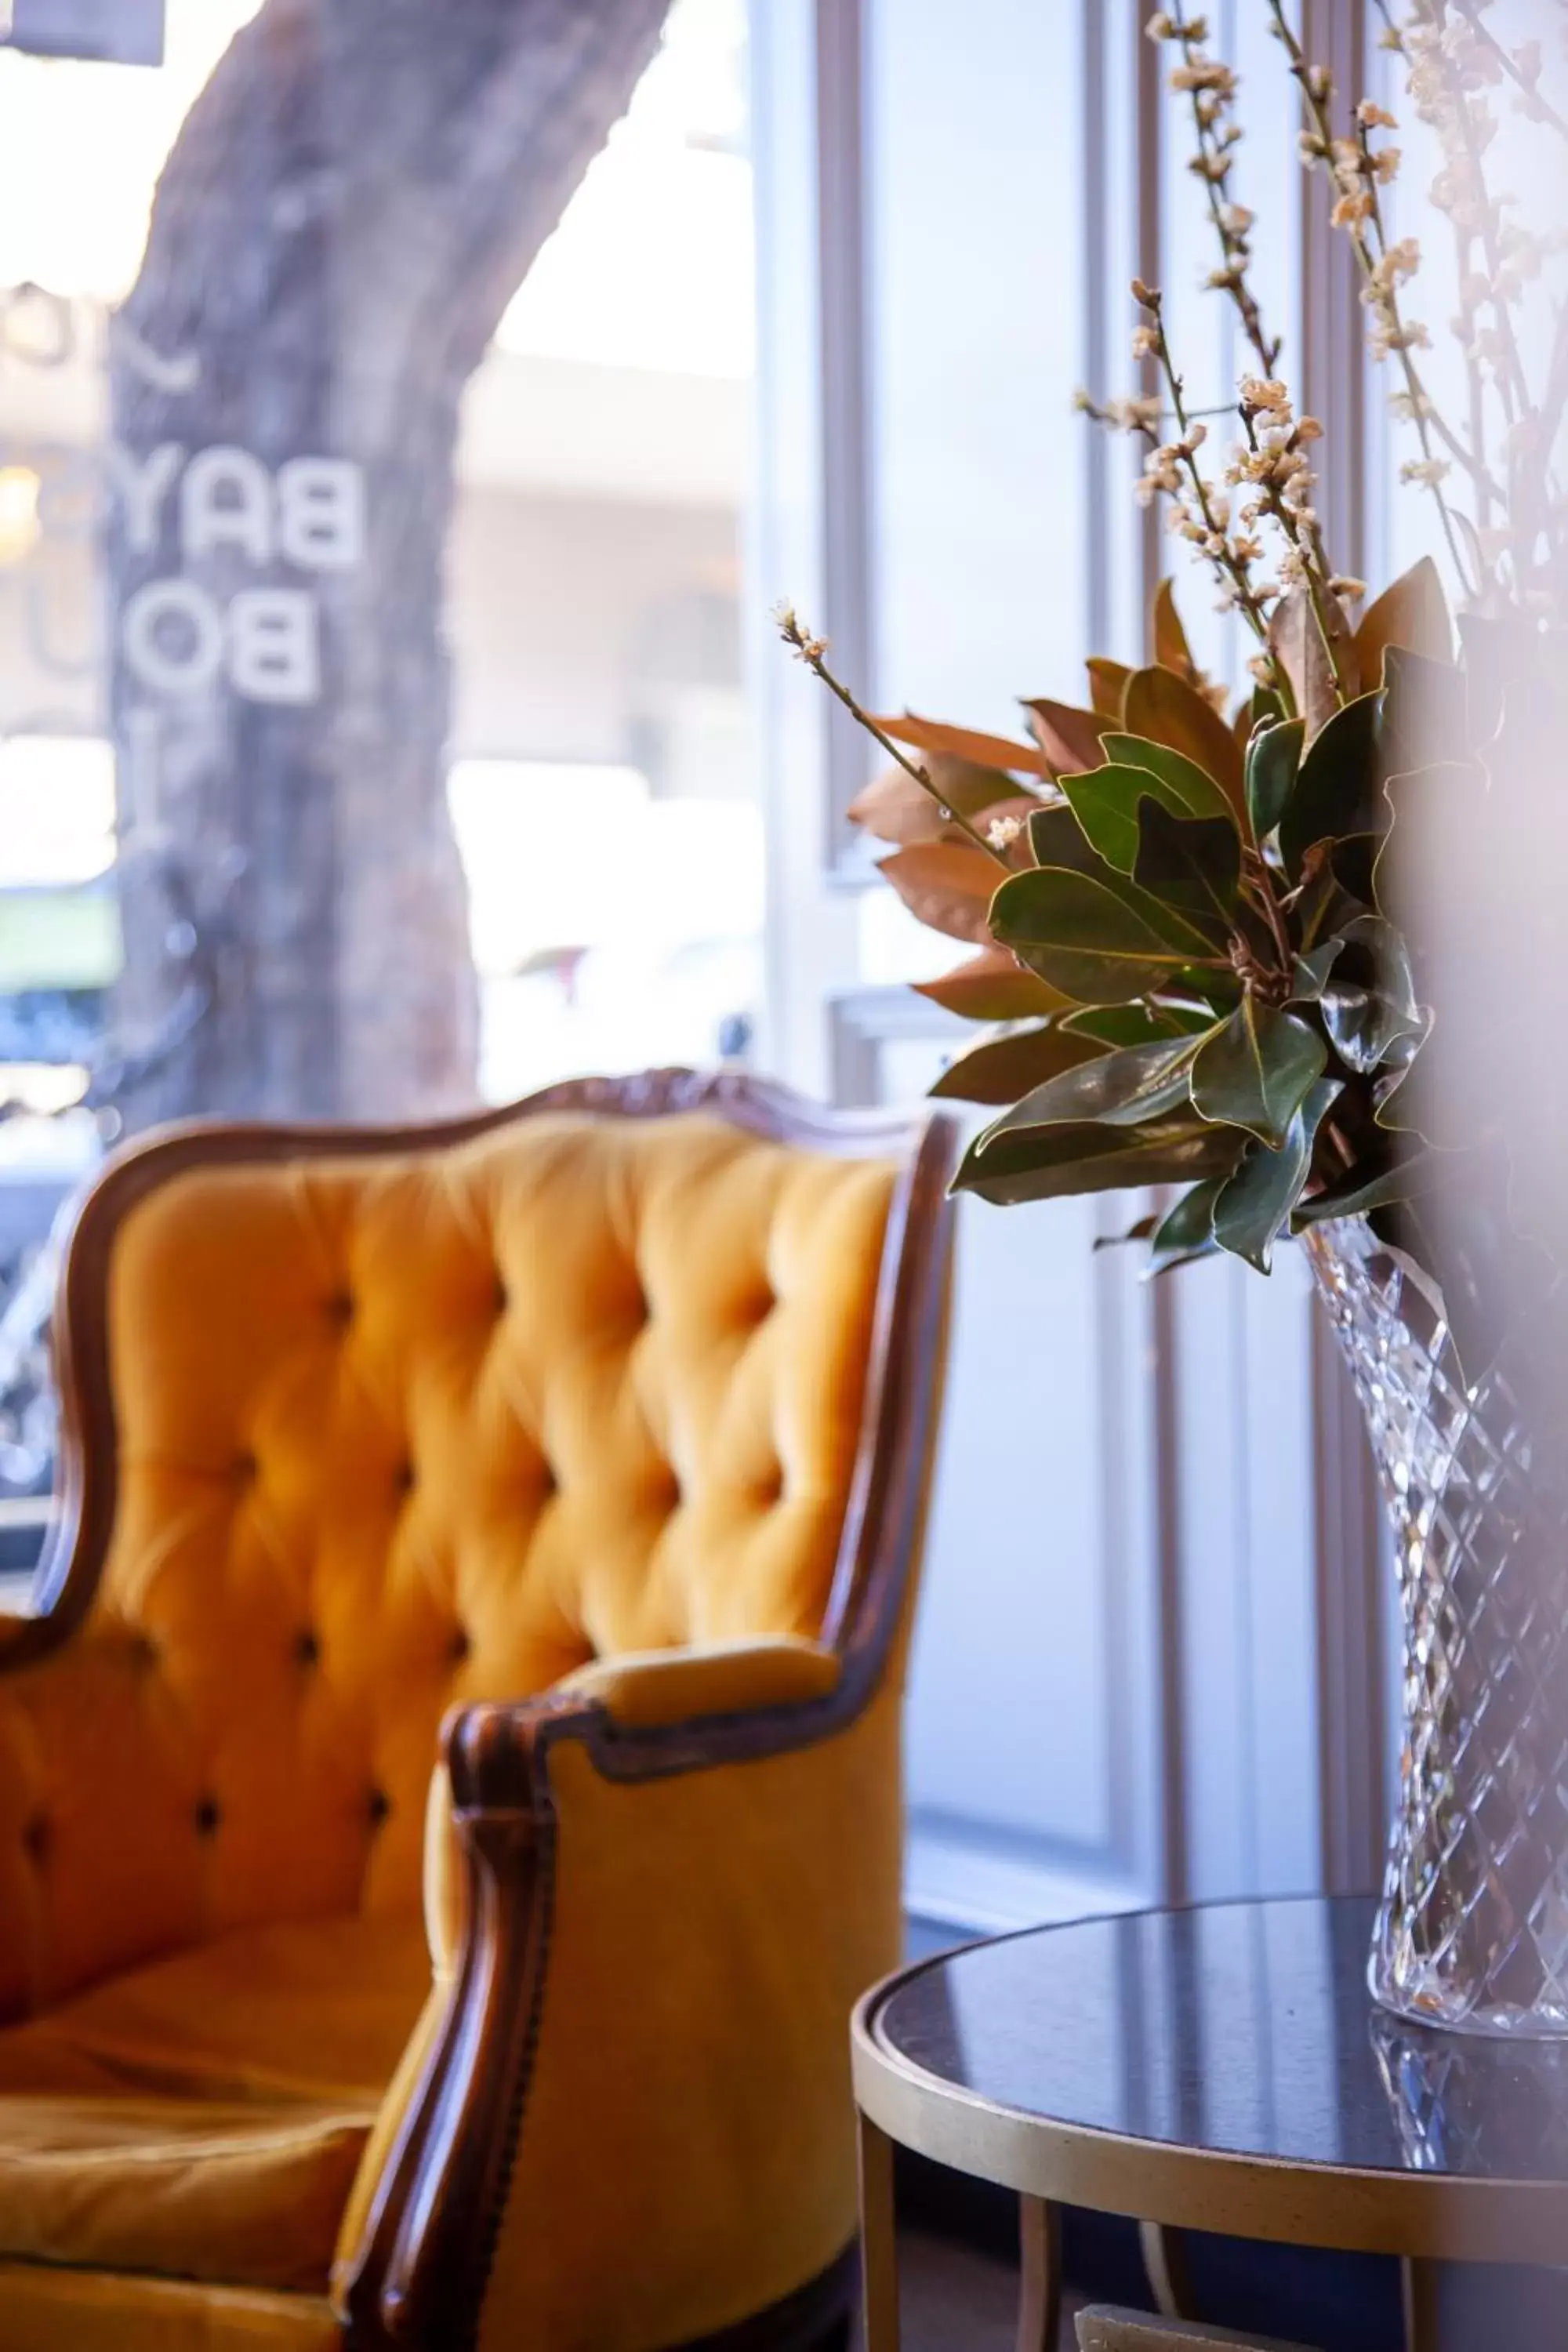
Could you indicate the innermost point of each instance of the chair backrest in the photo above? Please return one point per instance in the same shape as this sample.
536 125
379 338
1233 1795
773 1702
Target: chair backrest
364 1424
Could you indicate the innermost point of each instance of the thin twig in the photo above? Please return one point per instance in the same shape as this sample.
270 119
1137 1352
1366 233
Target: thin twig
813 652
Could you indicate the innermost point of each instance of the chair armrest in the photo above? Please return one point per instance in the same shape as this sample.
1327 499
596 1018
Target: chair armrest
634 2123
668 1687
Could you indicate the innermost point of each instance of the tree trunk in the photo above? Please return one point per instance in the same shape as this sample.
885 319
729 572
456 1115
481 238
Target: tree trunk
349 205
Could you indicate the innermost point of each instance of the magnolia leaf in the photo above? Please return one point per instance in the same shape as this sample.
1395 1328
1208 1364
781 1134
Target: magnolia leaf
1400 1112
1170 711
1186 1230
948 887
1121 1089
1107 686
1099 942
1191 863
895 808
1188 790
1138 1231
1296 639
1353 862
1256 1069
1136 1024
1003 1068
1314 969
1068 738
1336 789
1045 1163
1368 1002
992 986
1412 613
966 743
1367 1187
1172 650
1105 803
1257 1201
1273 757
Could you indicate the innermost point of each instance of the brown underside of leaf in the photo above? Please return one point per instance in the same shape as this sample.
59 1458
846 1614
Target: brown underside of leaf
894 807
1107 686
1297 640
1005 1068
994 986
1068 737
1172 650
1412 611
964 743
950 887
1168 711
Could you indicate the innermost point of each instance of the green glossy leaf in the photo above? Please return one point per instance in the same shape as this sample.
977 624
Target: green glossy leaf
1043 1163
1255 1202
1256 1070
1273 757
1186 1230
1193 864
1002 1068
1121 1088
1099 942
1105 803
1337 786
1363 1189
1368 1002
1312 970
1187 789
1136 1024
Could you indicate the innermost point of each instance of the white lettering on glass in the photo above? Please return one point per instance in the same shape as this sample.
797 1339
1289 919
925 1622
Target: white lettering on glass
171 634
274 645
225 500
321 513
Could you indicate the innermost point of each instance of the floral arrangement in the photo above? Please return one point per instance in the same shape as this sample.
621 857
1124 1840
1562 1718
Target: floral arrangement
1196 933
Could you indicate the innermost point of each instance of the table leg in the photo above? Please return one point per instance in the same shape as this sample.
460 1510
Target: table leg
1165 2261
879 2241
1040 2283
1418 2280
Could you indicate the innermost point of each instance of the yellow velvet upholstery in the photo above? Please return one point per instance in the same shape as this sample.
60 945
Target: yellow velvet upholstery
573 1402
205 2115
708 1934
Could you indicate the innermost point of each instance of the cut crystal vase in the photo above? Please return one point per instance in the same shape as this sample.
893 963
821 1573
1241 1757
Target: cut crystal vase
1472 1931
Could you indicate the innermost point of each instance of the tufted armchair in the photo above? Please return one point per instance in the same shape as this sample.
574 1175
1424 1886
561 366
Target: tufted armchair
579 1452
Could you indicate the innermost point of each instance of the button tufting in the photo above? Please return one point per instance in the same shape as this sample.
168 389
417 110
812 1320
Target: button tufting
461 1645
503 1296
245 1469
36 1839
207 1816
379 1805
404 1478
770 1487
340 1308
307 1647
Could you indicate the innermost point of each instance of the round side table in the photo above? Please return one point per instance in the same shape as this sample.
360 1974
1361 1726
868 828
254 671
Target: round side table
1220 2068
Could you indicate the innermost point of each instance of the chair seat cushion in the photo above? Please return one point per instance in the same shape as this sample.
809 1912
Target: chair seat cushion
204 2117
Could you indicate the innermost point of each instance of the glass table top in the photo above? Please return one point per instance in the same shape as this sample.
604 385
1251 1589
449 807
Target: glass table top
1244 2028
